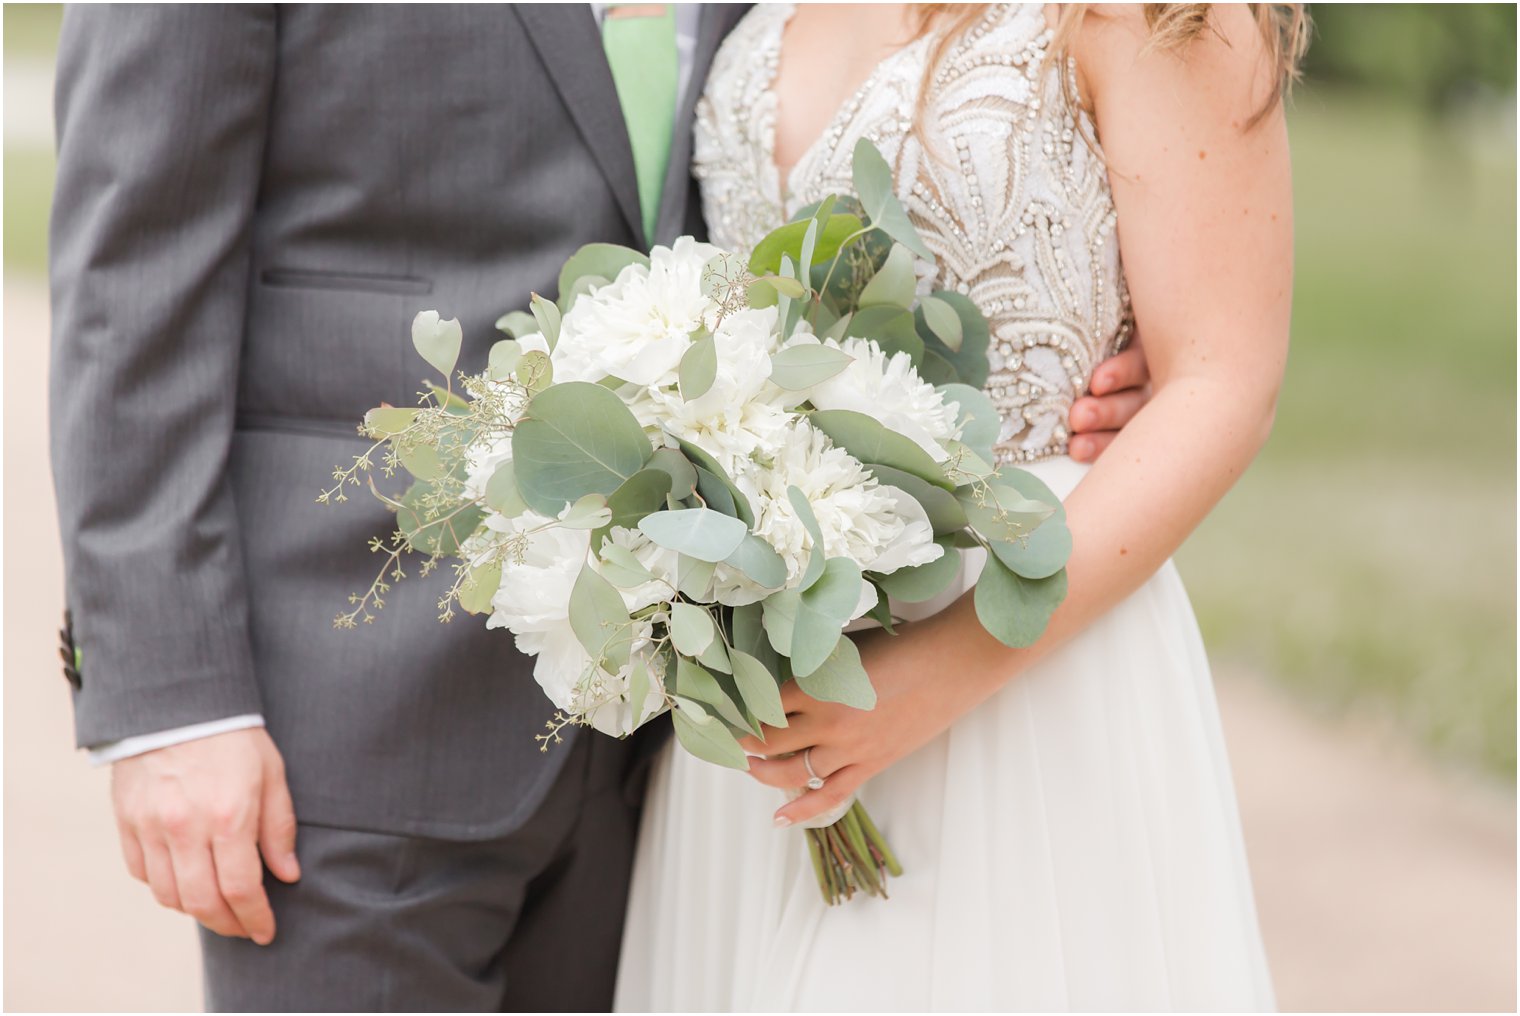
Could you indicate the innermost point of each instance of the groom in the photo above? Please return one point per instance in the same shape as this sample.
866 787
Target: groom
252 203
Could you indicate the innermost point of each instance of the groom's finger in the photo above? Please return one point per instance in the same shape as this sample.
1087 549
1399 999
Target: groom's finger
160 873
132 851
277 825
240 879
199 894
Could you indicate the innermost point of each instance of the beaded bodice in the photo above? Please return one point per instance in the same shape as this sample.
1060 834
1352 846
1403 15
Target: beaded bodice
1013 202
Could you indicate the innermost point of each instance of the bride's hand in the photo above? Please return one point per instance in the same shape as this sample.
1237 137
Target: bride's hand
914 703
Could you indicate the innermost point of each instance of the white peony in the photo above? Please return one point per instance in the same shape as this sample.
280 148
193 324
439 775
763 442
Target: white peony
637 327
888 389
742 414
533 602
661 562
858 518
481 463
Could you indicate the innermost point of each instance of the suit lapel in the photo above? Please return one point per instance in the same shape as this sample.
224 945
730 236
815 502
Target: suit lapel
561 33
716 22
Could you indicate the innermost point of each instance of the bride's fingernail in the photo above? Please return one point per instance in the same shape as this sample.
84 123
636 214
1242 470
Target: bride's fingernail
782 821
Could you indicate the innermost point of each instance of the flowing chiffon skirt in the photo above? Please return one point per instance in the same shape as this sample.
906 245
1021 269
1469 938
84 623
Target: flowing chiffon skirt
1073 844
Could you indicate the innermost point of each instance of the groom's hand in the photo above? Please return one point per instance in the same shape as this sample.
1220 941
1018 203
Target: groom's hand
1120 388
194 819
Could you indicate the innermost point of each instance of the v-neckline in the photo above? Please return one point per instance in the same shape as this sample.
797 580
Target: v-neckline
781 182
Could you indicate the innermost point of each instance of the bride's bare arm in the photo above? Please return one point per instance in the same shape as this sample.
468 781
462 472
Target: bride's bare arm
1205 231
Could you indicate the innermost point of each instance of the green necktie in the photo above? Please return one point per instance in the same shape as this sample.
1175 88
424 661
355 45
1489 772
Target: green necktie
641 50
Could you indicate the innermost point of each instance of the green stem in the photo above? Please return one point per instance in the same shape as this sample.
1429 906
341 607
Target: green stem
876 838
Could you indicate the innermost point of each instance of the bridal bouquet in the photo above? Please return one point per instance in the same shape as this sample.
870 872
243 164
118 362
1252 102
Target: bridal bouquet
679 485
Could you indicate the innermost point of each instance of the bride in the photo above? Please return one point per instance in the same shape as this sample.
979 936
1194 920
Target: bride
1064 813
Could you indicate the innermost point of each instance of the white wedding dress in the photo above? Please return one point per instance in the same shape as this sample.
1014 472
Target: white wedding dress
1073 843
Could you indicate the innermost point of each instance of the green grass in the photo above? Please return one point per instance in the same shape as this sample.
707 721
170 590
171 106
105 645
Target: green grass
32 29
28 194
1368 559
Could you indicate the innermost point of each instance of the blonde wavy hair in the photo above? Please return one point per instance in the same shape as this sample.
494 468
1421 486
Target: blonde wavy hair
1284 31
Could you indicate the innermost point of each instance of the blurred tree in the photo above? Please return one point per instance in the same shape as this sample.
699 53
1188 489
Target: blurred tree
1436 55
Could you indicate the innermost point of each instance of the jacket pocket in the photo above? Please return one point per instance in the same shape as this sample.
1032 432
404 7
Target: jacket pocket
355 282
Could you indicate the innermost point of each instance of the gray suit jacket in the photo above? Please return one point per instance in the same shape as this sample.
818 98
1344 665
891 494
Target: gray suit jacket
252 203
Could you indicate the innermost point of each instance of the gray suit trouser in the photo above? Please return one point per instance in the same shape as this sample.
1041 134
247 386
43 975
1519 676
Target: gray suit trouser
385 923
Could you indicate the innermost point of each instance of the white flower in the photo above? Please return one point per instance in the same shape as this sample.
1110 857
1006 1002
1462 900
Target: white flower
742 414
481 463
533 602
637 327
661 562
858 518
888 389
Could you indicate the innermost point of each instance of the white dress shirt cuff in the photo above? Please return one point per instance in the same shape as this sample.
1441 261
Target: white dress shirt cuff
115 751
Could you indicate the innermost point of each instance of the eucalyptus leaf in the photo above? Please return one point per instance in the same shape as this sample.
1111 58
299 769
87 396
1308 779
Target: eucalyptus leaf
1013 609
778 613
894 283
437 535
622 568
709 741
694 577
945 513
890 327
501 492
804 511
476 592
871 443
700 533
1046 550
758 687
926 581
840 678
548 317
823 610
599 619
437 340
421 461
588 512
809 246
765 259
715 659
605 260
638 686
873 184
575 439
978 419
715 493
691 629
797 368
937 370
944 322
503 359
759 560
516 324
683 475
999 512
695 683
969 362
535 371
699 368
388 421
700 457
637 496
747 632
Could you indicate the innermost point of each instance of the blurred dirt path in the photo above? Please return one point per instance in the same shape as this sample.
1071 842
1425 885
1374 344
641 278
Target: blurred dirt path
1383 884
